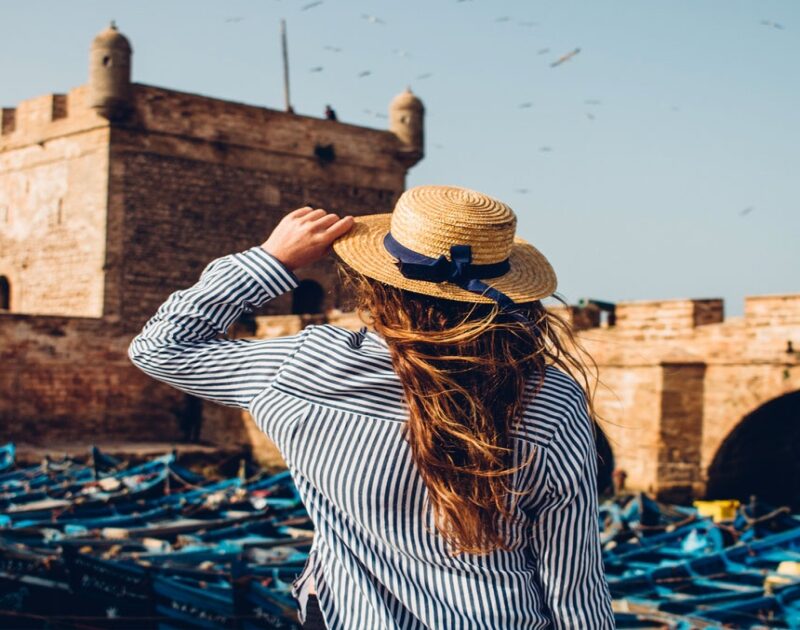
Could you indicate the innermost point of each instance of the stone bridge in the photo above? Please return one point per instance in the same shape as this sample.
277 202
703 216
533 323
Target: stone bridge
694 404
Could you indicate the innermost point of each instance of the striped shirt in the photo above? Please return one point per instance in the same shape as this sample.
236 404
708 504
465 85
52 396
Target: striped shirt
332 403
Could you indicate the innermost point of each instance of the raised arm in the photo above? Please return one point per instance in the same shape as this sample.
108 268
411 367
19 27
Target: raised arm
566 537
179 345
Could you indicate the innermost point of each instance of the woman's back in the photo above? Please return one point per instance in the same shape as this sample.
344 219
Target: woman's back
449 429
335 410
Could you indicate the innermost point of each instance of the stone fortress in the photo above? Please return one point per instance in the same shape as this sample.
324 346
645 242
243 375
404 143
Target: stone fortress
116 194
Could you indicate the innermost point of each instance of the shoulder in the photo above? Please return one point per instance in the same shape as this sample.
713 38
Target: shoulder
335 336
559 406
343 368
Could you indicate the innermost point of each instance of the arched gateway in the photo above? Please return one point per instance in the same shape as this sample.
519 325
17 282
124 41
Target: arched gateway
761 456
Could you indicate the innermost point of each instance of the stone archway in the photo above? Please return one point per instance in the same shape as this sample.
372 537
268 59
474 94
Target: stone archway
308 298
5 294
760 456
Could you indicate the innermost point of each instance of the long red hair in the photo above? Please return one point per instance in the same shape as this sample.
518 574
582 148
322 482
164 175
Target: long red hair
464 368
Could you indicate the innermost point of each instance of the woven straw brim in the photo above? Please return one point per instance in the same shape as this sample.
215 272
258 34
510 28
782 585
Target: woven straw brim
530 278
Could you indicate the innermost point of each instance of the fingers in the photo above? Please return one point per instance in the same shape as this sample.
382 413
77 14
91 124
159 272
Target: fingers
340 227
325 222
322 222
300 212
314 215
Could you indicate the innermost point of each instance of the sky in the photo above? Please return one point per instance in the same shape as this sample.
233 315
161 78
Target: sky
662 161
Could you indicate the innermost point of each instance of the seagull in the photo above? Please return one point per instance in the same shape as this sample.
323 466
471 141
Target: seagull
772 24
364 73
526 105
747 210
426 75
372 19
316 69
564 58
335 49
310 5
543 51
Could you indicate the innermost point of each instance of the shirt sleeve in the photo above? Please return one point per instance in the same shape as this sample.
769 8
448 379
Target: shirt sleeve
566 532
179 345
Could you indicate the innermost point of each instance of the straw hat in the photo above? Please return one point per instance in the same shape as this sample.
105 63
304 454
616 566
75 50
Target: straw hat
427 222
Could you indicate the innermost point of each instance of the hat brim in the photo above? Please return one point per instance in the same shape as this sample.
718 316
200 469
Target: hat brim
530 278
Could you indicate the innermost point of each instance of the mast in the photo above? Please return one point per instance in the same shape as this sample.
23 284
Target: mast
285 50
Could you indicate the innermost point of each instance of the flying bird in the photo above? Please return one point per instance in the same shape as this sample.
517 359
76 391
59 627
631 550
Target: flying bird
401 53
310 5
233 19
522 191
747 210
335 49
772 24
316 69
528 24
425 75
545 149
364 73
526 105
542 51
505 18
590 115
592 101
372 19
564 58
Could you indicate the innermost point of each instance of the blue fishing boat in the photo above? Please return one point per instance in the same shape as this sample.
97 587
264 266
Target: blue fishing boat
7 456
737 582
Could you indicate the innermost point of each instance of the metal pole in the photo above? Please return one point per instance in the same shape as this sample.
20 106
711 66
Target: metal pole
285 49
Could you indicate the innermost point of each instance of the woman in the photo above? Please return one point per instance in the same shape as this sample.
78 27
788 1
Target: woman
447 459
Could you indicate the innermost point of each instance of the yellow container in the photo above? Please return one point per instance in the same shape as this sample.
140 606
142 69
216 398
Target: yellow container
788 572
724 510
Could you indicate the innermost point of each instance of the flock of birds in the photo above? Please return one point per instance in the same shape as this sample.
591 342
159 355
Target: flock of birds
564 58
373 19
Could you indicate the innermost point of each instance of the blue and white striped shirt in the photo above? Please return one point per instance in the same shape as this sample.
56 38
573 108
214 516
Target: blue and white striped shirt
333 405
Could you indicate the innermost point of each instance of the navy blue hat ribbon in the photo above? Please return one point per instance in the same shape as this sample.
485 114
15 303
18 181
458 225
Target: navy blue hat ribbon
459 270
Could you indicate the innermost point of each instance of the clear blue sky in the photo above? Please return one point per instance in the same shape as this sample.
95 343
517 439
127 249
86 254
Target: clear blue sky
685 183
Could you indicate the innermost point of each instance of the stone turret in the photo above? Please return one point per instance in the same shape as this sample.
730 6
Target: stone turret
110 74
407 122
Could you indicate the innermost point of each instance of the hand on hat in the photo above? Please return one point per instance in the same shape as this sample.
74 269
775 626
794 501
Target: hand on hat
305 235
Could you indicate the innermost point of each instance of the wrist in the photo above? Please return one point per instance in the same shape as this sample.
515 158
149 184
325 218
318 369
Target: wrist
282 259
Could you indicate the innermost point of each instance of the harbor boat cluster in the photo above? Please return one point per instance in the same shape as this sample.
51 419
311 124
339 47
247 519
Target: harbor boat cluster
97 542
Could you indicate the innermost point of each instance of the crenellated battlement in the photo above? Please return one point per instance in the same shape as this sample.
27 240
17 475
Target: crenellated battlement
45 117
663 318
